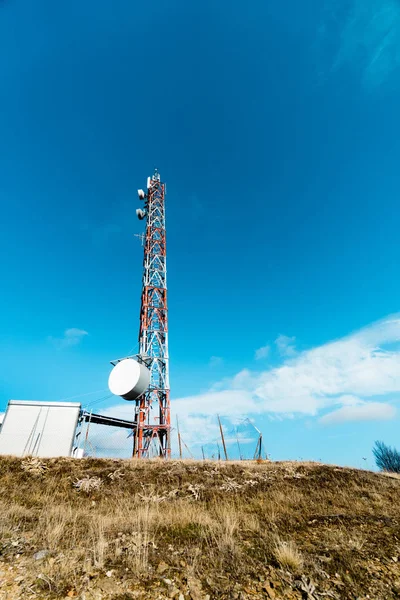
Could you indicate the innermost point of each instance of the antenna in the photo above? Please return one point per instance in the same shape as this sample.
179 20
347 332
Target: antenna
141 237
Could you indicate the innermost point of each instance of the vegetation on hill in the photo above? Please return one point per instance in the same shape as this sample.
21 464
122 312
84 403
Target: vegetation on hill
105 529
386 458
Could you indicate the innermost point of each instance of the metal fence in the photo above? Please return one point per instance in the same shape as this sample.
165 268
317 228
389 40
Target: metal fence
105 440
103 437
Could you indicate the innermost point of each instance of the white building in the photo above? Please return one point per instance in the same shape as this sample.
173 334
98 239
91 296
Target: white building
34 428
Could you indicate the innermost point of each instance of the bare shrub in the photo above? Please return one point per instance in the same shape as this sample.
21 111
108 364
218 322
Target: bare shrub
230 485
116 475
155 498
88 484
33 465
195 491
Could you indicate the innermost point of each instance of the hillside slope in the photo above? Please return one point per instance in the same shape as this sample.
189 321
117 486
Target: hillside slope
105 529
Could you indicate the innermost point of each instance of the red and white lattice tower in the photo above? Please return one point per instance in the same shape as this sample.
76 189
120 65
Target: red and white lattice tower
152 415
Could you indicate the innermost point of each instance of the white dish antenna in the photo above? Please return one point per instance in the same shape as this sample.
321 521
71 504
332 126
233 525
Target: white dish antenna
141 194
140 214
129 379
148 182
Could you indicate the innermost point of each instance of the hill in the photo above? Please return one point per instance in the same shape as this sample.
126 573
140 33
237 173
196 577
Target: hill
113 529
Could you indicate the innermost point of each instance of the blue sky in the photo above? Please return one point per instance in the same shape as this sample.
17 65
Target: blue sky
276 128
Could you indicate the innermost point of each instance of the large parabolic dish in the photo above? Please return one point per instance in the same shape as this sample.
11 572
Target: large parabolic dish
129 379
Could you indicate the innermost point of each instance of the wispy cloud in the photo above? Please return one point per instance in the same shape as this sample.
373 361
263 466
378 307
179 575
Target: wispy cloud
71 337
262 352
366 37
285 345
215 361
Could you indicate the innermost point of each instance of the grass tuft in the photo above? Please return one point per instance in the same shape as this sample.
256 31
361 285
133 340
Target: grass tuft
288 556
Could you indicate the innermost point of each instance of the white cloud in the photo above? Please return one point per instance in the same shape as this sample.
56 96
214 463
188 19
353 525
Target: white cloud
215 361
262 352
356 377
355 372
366 411
285 345
71 337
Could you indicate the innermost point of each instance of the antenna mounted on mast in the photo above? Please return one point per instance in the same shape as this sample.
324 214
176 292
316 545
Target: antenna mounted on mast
153 427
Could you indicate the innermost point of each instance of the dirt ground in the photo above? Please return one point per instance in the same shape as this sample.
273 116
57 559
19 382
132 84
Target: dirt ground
118 530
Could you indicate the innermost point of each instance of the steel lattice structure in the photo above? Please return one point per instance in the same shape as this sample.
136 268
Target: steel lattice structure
152 415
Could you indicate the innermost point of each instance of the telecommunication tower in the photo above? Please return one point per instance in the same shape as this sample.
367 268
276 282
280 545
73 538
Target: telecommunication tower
152 414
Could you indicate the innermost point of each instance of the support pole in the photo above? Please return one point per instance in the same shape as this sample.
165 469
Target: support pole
179 438
237 439
222 438
187 448
87 434
258 452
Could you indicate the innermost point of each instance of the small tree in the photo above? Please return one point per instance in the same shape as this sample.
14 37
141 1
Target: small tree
386 458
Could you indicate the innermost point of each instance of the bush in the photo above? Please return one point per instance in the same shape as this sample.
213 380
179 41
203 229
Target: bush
386 458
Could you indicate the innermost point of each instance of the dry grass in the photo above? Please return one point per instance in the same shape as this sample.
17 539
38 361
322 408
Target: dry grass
288 556
214 527
224 527
54 523
392 475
